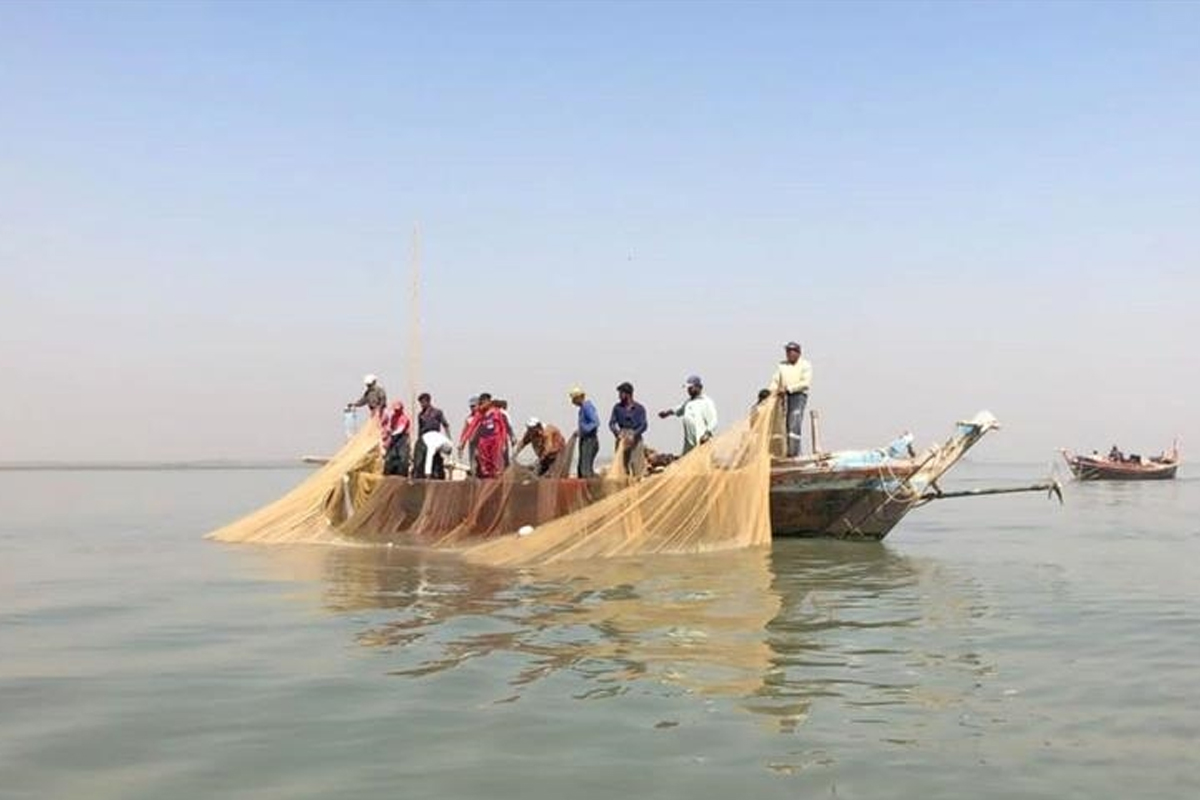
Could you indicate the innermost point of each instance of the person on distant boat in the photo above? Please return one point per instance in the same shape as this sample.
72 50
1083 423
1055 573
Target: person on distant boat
547 442
429 418
396 431
489 431
698 412
628 424
588 433
437 447
1115 454
373 397
791 381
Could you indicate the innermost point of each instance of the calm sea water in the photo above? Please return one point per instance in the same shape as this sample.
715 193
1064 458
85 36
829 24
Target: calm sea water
1000 647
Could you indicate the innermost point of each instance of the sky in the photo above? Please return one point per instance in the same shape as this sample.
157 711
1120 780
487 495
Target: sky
207 213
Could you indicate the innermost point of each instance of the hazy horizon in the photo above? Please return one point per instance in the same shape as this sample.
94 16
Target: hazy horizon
206 211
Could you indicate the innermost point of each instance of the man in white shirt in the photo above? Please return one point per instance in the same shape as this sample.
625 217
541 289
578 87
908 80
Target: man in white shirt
437 447
698 412
792 380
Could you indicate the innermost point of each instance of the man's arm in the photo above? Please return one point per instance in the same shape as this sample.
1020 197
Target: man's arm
612 423
668 412
805 376
639 419
710 420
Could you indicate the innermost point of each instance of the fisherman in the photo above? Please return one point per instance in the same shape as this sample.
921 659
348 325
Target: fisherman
436 447
791 381
547 442
396 432
473 405
373 397
628 424
429 418
588 433
489 432
698 412
1115 454
511 442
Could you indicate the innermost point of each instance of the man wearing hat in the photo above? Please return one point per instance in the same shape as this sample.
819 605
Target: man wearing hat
628 422
699 414
589 432
792 379
373 397
547 441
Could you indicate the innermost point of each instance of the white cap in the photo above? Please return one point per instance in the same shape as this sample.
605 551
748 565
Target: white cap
370 378
533 422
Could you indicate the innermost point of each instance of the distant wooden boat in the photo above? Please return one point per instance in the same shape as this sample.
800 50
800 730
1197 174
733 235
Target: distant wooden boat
1133 468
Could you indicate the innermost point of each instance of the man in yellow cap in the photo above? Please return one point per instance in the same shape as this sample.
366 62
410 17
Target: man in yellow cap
588 433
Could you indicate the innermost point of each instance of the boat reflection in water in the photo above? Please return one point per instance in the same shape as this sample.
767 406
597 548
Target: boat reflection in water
775 630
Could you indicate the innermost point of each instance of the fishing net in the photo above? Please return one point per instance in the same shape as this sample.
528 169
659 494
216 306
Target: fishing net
714 498
304 514
717 497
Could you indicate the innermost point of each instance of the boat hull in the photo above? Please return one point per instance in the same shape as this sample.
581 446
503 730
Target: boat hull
845 495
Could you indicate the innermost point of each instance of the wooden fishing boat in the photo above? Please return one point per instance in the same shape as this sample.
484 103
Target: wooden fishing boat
1131 468
849 494
864 494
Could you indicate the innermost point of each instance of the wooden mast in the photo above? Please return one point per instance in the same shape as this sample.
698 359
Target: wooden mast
414 333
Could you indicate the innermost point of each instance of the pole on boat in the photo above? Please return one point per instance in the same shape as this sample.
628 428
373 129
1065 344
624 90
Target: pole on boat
414 336
1052 488
814 417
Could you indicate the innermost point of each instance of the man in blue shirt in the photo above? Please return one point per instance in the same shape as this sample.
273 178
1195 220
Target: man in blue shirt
588 433
628 423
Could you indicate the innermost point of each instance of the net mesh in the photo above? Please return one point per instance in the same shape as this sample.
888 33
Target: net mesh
714 498
304 514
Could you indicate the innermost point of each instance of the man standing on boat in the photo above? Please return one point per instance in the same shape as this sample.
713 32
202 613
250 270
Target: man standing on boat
699 414
373 397
489 432
429 418
792 380
547 441
589 433
396 435
473 406
628 423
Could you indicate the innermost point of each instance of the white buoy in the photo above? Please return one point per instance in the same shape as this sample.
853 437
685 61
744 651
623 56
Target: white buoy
524 530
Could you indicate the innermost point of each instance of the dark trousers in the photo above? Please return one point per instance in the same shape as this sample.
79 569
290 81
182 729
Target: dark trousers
419 453
589 447
395 462
796 403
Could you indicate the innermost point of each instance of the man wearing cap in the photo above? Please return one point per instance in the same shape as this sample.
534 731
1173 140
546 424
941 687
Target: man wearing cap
588 433
791 381
373 397
429 419
698 412
628 423
547 441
